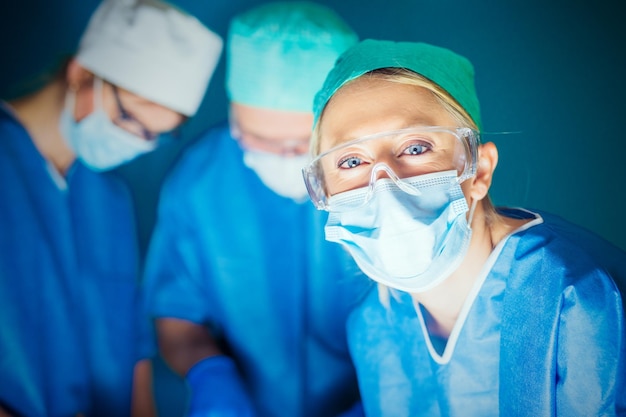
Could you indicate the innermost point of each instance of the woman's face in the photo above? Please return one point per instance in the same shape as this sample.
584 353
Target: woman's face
370 106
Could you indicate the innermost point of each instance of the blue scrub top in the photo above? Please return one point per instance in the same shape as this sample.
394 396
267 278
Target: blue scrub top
68 285
255 267
541 334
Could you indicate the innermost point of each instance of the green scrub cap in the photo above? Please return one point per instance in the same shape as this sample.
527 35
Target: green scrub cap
278 54
452 72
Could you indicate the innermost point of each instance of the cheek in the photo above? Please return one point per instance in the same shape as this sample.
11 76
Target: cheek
84 104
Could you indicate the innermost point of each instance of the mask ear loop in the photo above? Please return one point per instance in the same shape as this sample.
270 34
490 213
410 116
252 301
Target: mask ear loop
97 93
470 218
70 102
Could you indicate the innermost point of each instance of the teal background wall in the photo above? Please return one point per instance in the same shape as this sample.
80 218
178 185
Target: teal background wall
552 71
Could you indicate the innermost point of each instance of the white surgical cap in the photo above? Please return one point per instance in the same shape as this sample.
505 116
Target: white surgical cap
278 54
153 50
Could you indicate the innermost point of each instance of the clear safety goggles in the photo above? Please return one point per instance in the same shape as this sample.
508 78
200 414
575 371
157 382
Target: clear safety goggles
399 155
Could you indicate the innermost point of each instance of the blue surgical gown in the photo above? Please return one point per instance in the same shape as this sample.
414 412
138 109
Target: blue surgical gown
541 334
253 266
68 285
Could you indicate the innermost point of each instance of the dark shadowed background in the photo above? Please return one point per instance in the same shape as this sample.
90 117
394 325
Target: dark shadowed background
551 71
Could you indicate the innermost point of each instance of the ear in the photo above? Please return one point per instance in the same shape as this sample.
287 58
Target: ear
487 162
76 75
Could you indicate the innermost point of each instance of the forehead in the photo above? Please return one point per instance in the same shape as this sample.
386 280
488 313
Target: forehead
371 105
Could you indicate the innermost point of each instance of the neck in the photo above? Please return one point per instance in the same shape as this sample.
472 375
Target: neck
445 301
39 113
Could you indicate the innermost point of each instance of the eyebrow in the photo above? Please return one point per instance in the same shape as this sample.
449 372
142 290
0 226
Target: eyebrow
421 121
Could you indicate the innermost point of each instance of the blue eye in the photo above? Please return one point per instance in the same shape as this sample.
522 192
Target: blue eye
350 162
415 149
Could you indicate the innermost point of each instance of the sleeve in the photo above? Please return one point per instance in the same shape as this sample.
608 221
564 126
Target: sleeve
174 270
590 366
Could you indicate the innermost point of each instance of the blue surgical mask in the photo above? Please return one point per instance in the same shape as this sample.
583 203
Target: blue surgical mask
405 241
96 140
281 174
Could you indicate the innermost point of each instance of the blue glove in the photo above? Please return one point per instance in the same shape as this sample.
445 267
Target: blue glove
355 411
217 390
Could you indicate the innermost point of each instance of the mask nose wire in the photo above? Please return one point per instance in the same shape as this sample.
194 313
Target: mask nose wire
381 166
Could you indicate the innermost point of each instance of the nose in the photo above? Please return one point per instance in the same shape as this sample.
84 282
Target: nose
382 170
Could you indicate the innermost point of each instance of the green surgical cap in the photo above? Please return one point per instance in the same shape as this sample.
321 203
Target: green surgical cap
278 54
452 72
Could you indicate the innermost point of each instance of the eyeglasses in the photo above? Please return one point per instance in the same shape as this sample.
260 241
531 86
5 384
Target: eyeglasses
400 154
248 140
128 122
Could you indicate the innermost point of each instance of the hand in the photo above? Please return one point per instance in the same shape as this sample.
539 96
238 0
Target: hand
217 389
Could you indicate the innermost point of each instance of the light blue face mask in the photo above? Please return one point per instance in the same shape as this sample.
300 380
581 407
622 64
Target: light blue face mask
96 140
405 241
281 174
